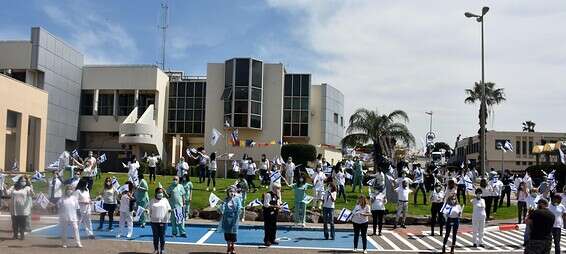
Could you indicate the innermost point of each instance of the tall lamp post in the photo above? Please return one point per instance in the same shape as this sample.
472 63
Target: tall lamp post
483 106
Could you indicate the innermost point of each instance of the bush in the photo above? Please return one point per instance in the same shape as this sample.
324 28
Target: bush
301 153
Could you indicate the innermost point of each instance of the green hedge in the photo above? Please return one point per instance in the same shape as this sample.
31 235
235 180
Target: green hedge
301 153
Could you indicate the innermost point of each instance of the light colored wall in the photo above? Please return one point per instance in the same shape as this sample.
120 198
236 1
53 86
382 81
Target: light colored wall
272 113
142 77
325 101
100 123
28 101
15 54
316 127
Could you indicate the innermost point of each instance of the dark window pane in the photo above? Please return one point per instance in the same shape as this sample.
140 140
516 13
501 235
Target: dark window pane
125 104
335 118
199 89
255 121
173 89
305 85
199 127
181 90
86 103
198 115
180 127
287 116
105 104
180 115
189 127
288 85
305 103
296 85
190 89
296 103
228 72
227 94
189 115
242 71
517 145
228 118
240 120
304 116
304 130
227 107
296 116
172 115
172 103
199 103
287 103
256 94
181 103
171 127
190 103
286 129
241 107
256 108
257 73
295 130
242 93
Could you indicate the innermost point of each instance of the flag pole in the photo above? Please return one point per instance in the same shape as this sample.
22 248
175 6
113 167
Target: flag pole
226 150
502 151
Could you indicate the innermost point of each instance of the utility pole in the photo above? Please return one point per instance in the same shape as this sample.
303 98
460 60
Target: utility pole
164 24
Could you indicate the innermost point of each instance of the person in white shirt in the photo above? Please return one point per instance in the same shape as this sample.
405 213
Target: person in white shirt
559 212
289 171
318 186
378 201
497 186
182 167
68 206
360 220
126 212
328 210
55 190
152 161
437 200
452 211
250 174
159 212
419 182
451 189
340 181
264 167
89 169
478 218
275 180
532 204
212 167
402 204
461 186
522 195
83 197
133 166
487 195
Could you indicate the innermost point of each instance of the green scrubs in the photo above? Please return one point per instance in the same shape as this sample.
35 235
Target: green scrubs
142 199
358 176
300 206
188 186
176 194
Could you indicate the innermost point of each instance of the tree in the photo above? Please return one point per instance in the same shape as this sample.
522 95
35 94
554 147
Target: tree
301 153
368 126
441 145
529 126
493 96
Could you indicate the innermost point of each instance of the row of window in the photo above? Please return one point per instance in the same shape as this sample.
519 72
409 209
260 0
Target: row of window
185 127
290 116
336 119
186 107
295 130
243 97
186 103
106 104
186 115
296 105
187 89
242 72
523 163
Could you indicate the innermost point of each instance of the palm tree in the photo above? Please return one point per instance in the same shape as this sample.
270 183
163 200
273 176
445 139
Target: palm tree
368 126
529 126
492 96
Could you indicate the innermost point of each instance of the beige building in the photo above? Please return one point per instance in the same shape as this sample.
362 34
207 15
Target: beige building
123 110
519 159
23 125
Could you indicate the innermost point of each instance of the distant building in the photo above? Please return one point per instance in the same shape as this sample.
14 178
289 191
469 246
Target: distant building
519 159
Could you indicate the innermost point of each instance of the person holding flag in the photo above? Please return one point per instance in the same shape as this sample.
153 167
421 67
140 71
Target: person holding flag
68 205
506 180
89 169
271 207
340 180
127 201
360 221
299 190
55 191
176 194
133 166
231 211
182 167
212 166
264 167
142 199
159 212
453 211
318 182
328 206
275 180
109 203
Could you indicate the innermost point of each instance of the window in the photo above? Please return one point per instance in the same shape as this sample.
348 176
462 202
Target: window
256 94
125 104
305 85
241 107
517 163
240 120
87 99
227 94
335 118
242 71
530 147
105 104
288 86
256 108
186 106
517 145
296 105
257 73
241 93
287 129
255 121
229 72
305 117
524 148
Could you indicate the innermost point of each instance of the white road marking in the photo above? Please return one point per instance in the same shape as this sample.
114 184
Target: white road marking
404 241
395 247
206 236
43 228
469 243
374 243
423 243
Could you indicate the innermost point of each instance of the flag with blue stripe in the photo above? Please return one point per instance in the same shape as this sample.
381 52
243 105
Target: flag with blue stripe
75 153
345 215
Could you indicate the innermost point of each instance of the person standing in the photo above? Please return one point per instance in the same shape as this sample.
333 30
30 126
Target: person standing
250 174
461 189
188 186
109 203
89 169
290 171
378 201
506 180
231 211
159 212
55 191
142 199
275 180
318 183
82 194
559 212
152 161
21 206
452 211
328 210
487 195
133 167
478 218
299 190
532 201
264 171
541 224
402 204
419 182
271 206
212 167
126 223
522 195
341 181
497 187
437 200
360 216
176 193
358 175
182 167
202 161
68 206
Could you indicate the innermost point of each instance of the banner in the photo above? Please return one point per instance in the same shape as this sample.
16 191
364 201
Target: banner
213 200
102 158
178 212
98 207
42 200
139 212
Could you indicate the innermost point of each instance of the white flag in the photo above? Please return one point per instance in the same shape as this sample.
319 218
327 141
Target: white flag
371 181
42 200
307 199
178 212
115 183
98 207
345 215
310 171
54 165
285 207
508 146
235 166
215 136
139 212
102 158
275 176
255 202
213 200
123 188
75 153
15 178
348 176
562 157
37 177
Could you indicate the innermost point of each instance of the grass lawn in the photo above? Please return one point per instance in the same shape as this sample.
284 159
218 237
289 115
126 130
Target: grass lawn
200 195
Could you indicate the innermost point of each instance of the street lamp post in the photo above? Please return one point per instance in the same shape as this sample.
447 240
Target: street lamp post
483 106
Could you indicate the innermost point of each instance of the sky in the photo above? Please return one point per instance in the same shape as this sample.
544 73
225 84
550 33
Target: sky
383 55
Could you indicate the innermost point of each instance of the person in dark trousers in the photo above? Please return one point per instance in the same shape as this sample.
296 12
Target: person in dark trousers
487 190
159 212
419 183
329 203
506 180
541 222
378 201
109 203
461 190
437 200
271 206
559 212
360 220
453 212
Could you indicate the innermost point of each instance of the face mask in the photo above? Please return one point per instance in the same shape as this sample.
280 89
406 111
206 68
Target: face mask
302 180
159 195
76 177
69 192
478 196
174 182
533 195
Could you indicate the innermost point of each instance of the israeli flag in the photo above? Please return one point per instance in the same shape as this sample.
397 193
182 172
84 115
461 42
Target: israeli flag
508 146
371 182
213 200
469 184
307 199
446 208
285 207
16 178
235 166
345 215
75 153
513 187
37 177
98 207
123 188
54 165
115 183
139 213
310 171
215 136
102 158
275 176
349 176
256 202
179 215
42 200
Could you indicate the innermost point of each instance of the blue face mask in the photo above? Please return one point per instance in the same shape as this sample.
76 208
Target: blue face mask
159 195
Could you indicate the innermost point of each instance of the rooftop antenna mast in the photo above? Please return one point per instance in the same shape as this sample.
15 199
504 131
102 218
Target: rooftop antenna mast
164 24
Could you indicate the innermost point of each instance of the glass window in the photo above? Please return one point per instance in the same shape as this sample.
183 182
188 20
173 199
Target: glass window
180 115
295 130
304 117
304 130
530 151
189 115
517 163
256 94
181 89
227 94
240 120
517 145
125 104
242 71
171 127
105 104
241 107
173 89
296 103
180 127
242 93
335 118
190 103
255 121
287 103
228 72
256 73
190 89
199 128
198 115
189 127
87 99
305 103
524 148
305 85
172 115
227 107
199 89
295 116
181 103
287 129
288 85
256 108
199 103
296 85
287 116
172 103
